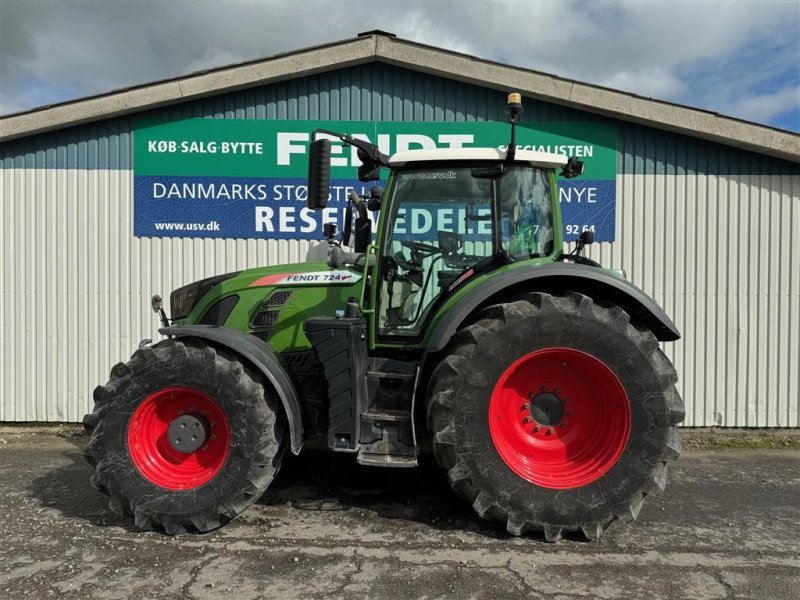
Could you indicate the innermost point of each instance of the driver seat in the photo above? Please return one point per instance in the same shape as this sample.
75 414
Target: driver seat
447 276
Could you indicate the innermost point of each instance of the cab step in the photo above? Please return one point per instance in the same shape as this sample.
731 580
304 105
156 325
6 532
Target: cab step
387 439
387 415
371 399
390 375
386 460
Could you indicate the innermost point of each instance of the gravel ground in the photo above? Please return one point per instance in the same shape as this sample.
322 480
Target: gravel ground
728 526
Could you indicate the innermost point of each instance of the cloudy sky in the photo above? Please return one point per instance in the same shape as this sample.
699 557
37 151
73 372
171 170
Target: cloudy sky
740 58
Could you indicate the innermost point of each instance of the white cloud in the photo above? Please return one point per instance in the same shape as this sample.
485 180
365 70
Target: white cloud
214 57
11 104
416 25
764 108
656 82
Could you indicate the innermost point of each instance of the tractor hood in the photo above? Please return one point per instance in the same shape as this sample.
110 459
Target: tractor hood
237 299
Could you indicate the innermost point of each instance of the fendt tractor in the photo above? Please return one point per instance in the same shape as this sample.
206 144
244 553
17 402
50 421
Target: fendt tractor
535 375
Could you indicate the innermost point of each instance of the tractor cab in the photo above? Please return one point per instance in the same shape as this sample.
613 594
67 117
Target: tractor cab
451 215
446 217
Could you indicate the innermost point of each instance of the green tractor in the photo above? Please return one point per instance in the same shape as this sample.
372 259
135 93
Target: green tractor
536 376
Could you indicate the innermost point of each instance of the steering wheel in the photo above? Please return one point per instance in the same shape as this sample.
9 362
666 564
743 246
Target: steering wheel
420 246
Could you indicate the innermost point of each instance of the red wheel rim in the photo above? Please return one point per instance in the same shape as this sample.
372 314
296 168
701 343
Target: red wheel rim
153 455
585 431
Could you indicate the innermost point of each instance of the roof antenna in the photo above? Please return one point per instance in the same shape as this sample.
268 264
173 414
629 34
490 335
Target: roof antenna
513 110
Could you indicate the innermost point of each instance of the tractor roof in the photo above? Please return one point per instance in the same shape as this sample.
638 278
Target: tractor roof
537 159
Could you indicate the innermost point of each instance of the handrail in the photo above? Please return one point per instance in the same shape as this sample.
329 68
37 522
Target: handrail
371 249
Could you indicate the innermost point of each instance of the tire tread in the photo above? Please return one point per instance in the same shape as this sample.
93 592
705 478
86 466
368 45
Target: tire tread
165 355
455 367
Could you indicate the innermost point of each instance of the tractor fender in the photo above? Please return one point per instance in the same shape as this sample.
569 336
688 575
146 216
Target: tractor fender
263 358
595 283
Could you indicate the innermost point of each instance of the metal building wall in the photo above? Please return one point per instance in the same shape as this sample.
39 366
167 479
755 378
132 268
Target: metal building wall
694 228
706 230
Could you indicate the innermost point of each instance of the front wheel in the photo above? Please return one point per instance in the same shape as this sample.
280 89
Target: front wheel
556 414
183 437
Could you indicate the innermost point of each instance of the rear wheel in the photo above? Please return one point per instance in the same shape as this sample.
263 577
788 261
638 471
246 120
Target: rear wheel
556 414
183 437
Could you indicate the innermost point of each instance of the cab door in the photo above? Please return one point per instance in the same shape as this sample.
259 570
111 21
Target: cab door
437 224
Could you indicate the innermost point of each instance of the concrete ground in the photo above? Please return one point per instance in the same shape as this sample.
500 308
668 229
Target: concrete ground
728 526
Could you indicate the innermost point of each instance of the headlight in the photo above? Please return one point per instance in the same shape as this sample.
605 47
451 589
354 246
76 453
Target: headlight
182 300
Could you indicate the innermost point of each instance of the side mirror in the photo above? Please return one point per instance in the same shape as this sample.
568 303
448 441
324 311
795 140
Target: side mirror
348 225
375 198
368 170
319 173
584 239
573 168
363 235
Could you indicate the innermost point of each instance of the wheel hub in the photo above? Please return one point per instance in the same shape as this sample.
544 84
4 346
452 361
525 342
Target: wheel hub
187 433
178 438
547 409
559 418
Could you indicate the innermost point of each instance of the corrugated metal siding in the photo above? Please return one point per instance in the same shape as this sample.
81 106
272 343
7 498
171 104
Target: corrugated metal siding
707 249
76 284
706 230
694 227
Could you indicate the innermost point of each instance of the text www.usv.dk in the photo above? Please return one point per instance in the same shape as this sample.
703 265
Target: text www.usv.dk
210 226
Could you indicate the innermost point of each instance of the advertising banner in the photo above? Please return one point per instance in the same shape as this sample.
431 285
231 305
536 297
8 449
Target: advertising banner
237 178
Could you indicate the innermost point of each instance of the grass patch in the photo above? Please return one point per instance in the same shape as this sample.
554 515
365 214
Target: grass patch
752 440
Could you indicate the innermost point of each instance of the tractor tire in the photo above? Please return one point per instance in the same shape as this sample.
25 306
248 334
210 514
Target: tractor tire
184 436
554 413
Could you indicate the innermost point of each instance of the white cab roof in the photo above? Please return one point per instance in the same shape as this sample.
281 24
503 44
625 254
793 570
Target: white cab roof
537 159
